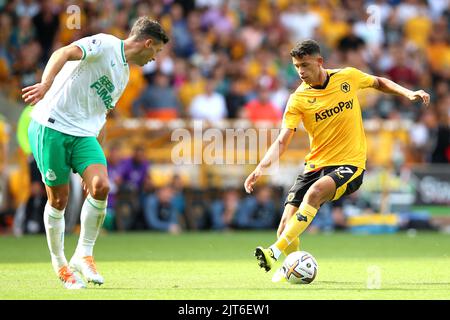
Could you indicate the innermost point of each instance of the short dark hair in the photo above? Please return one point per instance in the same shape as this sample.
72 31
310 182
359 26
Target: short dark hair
144 27
305 48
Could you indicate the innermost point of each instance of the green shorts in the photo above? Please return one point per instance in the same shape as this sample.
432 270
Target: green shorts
56 153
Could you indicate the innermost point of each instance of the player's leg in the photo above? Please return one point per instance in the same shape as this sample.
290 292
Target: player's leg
336 183
54 228
295 196
55 224
45 143
321 191
265 256
288 212
93 211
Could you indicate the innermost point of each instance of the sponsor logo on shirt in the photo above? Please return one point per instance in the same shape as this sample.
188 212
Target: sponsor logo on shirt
104 87
341 106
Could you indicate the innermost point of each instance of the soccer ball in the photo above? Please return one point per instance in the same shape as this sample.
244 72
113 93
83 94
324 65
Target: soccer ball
300 267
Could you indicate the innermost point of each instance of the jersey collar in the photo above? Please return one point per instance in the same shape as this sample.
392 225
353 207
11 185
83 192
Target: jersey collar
323 86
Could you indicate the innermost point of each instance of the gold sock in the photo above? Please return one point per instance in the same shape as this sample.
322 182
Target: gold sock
294 246
296 226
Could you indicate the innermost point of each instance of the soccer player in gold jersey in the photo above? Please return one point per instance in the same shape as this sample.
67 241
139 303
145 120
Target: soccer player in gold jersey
327 104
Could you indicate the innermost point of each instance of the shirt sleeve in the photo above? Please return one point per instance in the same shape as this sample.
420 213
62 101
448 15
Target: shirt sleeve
292 114
92 46
362 79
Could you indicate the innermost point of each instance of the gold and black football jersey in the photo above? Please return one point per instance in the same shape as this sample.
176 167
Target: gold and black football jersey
331 115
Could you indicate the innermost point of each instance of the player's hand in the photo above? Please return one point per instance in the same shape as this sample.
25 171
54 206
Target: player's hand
33 94
251 180
420 95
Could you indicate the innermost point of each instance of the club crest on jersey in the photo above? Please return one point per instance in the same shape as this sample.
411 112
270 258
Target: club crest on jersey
50 175
324 114
345 87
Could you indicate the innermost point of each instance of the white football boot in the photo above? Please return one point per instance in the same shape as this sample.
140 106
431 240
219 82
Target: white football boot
70 280
86 266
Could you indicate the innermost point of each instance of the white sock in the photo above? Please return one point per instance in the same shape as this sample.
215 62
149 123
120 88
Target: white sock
93 214
276 251
54 228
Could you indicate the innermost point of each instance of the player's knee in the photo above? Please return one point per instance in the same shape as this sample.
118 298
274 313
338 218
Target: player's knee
59 202
100 188
315 196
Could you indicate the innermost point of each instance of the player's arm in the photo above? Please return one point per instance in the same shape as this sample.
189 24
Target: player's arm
35 93
390 87
272 155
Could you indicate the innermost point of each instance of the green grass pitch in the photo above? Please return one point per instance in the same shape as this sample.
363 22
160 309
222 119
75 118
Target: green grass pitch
207 266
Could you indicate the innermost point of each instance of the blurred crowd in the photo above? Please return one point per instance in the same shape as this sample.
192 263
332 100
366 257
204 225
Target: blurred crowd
229 59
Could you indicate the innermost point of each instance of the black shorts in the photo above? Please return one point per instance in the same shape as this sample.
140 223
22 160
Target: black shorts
348 179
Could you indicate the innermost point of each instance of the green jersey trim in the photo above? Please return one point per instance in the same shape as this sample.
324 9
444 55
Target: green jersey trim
122 50
82 49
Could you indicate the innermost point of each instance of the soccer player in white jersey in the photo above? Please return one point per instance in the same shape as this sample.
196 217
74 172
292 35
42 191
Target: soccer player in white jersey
80 85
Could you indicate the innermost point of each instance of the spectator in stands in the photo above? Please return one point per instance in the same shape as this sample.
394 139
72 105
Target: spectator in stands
196 215
438 49
421 144
262 107
27 8
34 208
218 18
257 212
135 183
235 100
160 211
46 23
5 201
183 42
209 106
4 145
299 11
26 68
441 133
225 211
115 180
158 100
179 200
194 86
23 34
401 70
205 59
136 84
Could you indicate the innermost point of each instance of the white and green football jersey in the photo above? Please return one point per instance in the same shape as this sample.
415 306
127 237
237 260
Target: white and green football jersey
84 90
